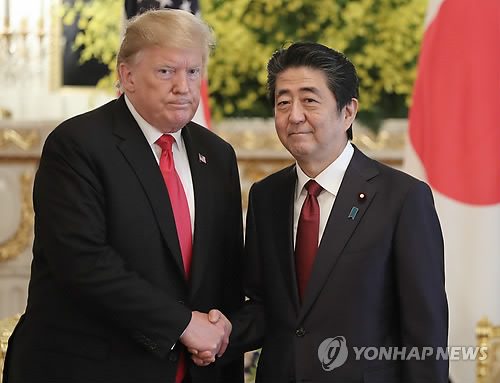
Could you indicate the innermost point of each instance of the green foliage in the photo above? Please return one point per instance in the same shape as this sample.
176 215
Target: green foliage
381 37
251 362
99 24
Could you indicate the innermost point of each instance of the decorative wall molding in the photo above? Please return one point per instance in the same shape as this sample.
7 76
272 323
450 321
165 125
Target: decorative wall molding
6 328
22 140
21 239
21 144
260 152
5 113
254 138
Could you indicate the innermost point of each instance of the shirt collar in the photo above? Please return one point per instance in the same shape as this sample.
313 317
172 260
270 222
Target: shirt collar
150 132
330 178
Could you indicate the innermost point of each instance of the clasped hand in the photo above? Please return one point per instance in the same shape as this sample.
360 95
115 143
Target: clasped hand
207 336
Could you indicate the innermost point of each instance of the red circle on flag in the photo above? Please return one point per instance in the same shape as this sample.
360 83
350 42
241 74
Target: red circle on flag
455 116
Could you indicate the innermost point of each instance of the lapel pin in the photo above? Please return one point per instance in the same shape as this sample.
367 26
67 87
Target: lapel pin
362 197
353 213
202 158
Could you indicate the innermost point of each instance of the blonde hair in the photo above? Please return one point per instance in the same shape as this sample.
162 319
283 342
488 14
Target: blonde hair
173 28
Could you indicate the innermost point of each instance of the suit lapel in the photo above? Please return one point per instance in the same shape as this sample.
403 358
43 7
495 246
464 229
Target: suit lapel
137 151
201 187
282 226
339 227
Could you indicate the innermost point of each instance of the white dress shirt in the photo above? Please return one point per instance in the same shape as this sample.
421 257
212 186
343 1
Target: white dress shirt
180 156
330 180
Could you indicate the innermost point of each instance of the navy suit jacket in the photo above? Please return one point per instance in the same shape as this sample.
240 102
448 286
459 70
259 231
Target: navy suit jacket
377 280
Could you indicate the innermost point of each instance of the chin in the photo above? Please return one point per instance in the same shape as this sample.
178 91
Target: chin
299 150
179 122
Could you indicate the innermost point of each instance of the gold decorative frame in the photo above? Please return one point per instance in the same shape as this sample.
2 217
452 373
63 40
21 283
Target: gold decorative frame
487 334
260 152
24 141
20 240
6 328
57 54
260 137
253 170
5 113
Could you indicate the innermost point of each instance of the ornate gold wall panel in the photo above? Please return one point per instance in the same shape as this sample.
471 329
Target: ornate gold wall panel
22 140
253 137
21 239
488 335
260 152
6 328
20 148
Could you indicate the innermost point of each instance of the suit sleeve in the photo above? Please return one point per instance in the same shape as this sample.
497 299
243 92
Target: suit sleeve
249 323
232 367
419 255
234 296
71 226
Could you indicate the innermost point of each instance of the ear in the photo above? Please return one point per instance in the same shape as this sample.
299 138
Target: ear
351 109
126 77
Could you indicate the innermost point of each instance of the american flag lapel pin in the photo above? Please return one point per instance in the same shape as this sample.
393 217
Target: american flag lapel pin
202 158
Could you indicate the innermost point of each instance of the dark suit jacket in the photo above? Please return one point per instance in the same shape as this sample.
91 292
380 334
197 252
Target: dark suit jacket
377 280
108 296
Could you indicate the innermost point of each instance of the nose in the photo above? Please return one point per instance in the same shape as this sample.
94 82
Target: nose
297 113
180 84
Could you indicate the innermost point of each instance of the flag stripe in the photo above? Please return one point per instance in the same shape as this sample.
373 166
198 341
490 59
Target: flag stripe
205 103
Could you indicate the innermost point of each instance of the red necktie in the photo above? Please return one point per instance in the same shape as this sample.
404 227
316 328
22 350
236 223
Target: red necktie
306 243
182 217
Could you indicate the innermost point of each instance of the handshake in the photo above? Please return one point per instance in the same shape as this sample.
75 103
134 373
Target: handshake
206 336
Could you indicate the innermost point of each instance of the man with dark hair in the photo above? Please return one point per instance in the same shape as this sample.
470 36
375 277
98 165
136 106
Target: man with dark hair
343 253
341 76
138 228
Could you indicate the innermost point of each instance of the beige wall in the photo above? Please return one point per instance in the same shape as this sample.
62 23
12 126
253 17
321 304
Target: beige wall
20 147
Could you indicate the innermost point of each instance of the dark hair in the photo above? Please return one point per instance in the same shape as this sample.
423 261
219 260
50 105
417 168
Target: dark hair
340 72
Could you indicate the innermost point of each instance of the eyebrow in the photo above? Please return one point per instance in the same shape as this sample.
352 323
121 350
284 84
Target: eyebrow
165 65
310 89
175 66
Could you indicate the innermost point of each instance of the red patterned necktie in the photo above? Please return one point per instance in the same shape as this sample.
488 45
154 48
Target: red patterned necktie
182 217
306 244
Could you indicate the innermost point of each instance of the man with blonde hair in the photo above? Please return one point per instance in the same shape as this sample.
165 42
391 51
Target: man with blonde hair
138 231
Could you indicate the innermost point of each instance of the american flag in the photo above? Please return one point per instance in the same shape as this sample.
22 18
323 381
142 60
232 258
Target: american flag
134 7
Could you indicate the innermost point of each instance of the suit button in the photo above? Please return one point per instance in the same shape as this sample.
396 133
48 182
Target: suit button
172 357
300 332
182 302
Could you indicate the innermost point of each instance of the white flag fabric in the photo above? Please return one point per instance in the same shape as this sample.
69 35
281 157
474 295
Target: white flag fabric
454 145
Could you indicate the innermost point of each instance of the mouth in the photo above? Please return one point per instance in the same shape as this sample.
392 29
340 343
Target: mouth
298 134
180 104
